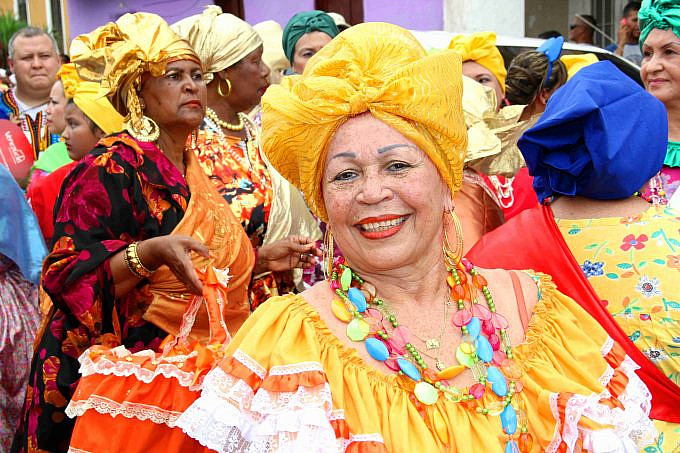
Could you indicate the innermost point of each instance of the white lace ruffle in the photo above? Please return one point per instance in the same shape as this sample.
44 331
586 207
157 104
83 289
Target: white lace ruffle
126 409
296 368
607 346
632 428
228 417
122 368
250 363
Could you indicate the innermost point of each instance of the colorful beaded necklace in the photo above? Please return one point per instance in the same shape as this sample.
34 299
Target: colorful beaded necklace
485 347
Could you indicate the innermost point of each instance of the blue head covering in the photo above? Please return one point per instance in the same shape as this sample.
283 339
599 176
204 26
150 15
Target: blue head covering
601 136
20 236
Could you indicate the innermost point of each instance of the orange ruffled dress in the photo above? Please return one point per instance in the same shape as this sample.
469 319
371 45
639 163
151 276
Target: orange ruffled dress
288 384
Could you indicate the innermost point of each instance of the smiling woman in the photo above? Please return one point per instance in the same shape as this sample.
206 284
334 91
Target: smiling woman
660 42
406 347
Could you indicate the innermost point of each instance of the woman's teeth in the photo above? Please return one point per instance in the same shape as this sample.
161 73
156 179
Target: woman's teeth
382 226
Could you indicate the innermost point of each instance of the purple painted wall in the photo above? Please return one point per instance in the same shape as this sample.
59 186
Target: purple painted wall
412 14
86 15
279 10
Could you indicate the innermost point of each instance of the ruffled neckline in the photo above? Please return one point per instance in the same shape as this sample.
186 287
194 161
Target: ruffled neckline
672 154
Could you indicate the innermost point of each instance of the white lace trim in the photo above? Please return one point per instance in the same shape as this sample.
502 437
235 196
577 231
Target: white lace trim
296 368
632 425
607 346
106 367
373 437
557 437
77 450
250 363
228 417
606 376
126 409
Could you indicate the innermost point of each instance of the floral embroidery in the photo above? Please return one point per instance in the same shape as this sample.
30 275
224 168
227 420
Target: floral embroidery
591 269
631 241
648 287
673 261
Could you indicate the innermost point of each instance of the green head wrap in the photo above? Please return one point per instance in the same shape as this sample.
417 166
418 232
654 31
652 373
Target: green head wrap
663 14
303 23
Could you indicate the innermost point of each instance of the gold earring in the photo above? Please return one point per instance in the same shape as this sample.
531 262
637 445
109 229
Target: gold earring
219 87
148 132
457 253
194 139
328 252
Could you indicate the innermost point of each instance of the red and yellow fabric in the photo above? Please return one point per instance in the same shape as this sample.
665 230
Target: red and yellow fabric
549 251
288 382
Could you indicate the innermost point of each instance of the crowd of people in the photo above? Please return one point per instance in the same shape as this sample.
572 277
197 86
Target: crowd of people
324 237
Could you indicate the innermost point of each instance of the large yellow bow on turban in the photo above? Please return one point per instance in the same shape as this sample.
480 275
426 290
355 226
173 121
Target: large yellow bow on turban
118 53
90 97
375 67
219 39
481 48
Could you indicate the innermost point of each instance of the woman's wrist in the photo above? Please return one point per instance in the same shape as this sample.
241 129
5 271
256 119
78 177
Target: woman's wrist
260 260
147 254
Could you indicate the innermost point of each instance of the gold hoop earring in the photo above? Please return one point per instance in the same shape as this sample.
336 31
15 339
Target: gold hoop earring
328 252
194 139
456 253
148 132
219 87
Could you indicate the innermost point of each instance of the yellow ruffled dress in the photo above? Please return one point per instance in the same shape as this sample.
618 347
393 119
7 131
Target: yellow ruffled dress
289 384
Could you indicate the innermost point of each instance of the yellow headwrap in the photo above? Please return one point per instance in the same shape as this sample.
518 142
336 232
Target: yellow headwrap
118 53
574 63
91 99
481 48
220 40
375 67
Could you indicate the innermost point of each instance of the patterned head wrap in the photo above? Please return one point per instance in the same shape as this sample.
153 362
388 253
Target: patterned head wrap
372 67
303 23
118 53
91 99
481 48
663 14
219 39
601 136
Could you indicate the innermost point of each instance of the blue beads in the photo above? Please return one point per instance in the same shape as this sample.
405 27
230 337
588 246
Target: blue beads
498 383
408 369
511 447
357 298
484 349
474 327
377 349
509 419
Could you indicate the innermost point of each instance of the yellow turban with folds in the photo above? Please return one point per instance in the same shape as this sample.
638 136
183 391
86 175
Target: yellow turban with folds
481 48
574 63
219 39
118 53
375 67
90 97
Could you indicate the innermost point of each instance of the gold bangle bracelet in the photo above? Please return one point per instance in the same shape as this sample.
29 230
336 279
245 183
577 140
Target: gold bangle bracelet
134 264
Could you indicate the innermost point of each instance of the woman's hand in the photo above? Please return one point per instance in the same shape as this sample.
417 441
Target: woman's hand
175 252
287 254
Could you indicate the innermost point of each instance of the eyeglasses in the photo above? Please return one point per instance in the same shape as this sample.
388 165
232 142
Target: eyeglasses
572 26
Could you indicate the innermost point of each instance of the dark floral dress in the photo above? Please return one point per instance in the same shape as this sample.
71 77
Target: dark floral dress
122 191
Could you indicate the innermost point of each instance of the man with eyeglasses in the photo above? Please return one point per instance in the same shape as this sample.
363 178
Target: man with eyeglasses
581 30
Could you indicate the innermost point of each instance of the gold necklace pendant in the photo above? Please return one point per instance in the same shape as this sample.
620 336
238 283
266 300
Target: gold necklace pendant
432 343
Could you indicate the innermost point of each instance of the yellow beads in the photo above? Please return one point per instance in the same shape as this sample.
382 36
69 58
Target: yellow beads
340 310
450 372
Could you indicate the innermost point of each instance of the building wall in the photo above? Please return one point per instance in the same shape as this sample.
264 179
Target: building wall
86 15
279 10
6 5
505 17
37 15
544 15
412 14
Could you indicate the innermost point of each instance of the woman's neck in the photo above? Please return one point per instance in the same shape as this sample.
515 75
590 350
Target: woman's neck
415 286
219 104
173 142
575 208
673 121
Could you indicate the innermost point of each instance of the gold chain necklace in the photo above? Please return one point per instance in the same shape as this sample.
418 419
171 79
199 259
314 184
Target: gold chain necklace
210 113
